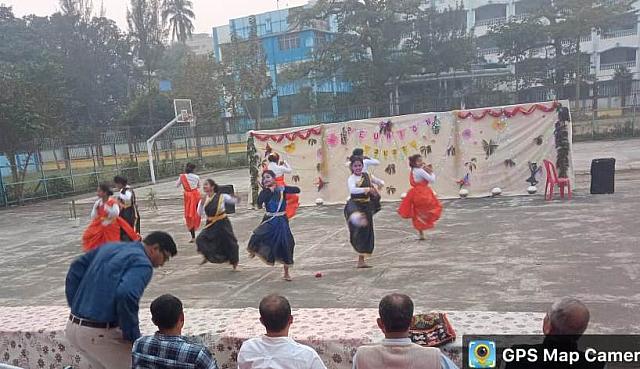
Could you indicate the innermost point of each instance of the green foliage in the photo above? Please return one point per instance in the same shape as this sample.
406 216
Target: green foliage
59 186
147 33
180 15
545 46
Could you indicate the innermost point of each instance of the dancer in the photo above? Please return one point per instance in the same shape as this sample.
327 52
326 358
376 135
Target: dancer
190 183
216 242
366 161
421 203
360 209
105 223
128 206
280 168
272 240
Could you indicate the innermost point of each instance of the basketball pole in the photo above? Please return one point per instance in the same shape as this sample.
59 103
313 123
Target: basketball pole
150 142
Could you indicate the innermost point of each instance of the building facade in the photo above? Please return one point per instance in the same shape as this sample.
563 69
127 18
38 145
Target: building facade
609 50
200 44
284 45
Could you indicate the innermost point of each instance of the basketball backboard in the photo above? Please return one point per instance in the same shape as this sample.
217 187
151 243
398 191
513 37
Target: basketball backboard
183 110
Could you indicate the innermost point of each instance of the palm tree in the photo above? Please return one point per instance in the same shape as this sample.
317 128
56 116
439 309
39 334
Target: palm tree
180 15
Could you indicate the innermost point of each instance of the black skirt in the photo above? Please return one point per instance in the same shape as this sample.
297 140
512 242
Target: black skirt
273 241
362 238
132 217
218 244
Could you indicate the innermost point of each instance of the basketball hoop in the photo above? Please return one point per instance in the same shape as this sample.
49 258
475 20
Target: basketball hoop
183 111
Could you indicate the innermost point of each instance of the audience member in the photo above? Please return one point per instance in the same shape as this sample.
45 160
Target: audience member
276 350
563 326
397 350
168 349
103 290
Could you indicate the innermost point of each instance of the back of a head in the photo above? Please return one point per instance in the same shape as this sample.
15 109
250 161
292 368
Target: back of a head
189 168
357 152
396 312
166 311
120 180
163 240
275 311
568 317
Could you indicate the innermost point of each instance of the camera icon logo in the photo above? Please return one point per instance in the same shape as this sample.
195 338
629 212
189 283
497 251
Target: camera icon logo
482 354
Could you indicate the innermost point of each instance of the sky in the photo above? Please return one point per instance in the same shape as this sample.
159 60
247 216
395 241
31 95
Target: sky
209 13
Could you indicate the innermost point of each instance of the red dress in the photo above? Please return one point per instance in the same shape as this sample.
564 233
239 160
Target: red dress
421 205
293 200
191 200
97 234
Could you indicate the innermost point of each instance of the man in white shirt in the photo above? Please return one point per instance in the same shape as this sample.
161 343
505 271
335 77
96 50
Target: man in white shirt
275 350
397 350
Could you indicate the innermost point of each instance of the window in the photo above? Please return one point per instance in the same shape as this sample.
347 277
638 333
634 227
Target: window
288 42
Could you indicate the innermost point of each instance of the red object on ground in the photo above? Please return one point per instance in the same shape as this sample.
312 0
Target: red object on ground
318 275
553 180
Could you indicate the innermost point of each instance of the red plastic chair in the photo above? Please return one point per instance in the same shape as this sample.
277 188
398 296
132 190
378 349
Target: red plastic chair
553 180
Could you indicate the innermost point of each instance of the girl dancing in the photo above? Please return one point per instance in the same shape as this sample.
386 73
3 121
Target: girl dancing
190 183
421 203
280 169
216 242
128 206
105 224
360 209
272 241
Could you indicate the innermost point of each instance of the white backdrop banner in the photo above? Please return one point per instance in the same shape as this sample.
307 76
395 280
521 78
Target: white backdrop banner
477 150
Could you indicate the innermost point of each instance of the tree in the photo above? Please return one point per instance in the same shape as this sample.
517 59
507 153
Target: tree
366 50
32 92
180 15
249 79
147 32
623 79
554 29
201 81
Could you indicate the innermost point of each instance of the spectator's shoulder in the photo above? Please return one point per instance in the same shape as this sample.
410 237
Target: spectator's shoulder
142 341
306 349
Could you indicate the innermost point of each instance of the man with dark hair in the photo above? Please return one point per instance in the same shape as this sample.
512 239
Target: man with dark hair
397 350
276 350
103 290
168 349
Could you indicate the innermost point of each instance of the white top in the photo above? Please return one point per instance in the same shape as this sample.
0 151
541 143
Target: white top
353 181
112 211
277 353
420 175
193 179
226 199
279 170
126 196
366 163
445 362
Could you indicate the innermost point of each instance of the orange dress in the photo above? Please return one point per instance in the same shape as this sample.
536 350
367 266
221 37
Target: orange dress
293 200
421 205
191 200
97 234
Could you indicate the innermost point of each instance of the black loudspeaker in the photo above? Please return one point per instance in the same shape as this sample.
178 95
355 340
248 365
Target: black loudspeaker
228 189
603 176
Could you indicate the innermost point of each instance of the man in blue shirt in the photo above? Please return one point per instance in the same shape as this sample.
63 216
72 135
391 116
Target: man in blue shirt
168 349
103 290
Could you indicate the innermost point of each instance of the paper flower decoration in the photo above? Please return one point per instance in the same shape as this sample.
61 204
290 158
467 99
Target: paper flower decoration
464 181
467 134
290 148
332 139
499 124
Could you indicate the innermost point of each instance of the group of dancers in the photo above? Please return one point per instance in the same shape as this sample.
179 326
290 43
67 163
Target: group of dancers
117 218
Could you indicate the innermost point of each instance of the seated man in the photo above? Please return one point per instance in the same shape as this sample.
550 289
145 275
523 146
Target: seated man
168 349
563 326
276 350
397 350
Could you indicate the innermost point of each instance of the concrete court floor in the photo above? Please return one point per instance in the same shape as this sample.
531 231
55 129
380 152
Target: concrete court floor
503 254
